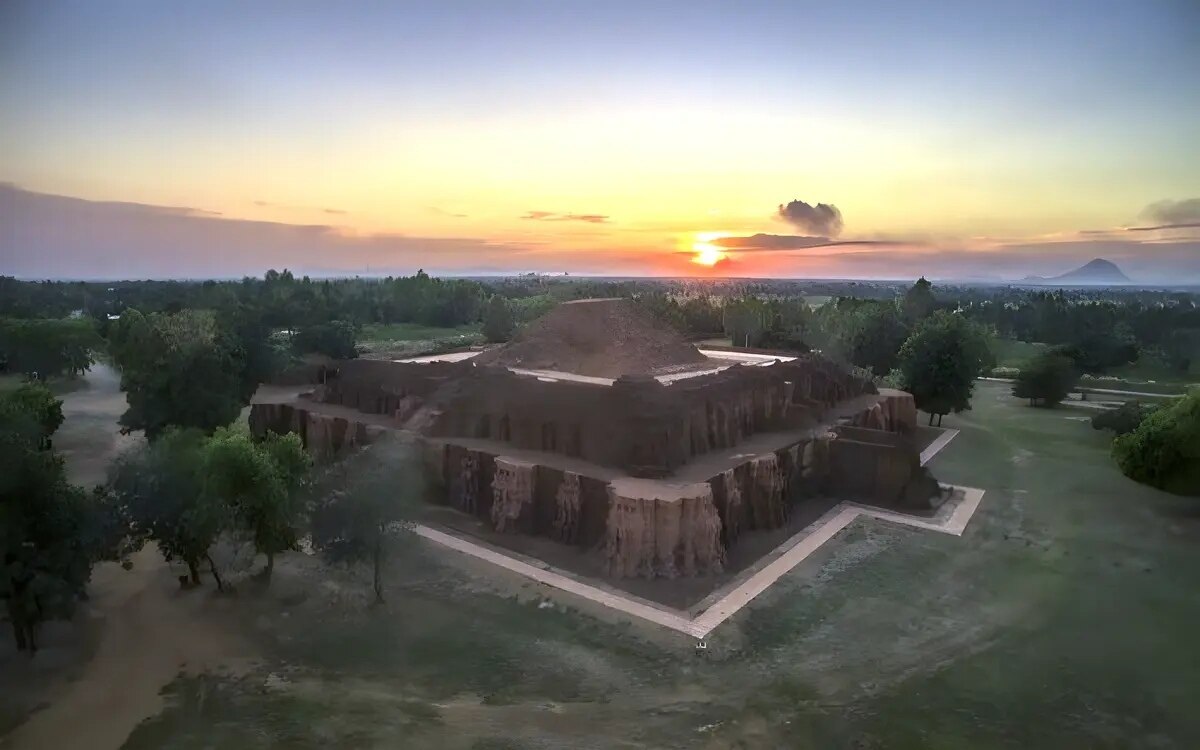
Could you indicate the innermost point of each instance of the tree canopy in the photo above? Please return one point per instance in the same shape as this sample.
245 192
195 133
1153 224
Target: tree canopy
918 302
361 503
333 339
51 532
47 347
260 482
1164 450
1124 419
939 363
179 369
1046 379
498 321
161 491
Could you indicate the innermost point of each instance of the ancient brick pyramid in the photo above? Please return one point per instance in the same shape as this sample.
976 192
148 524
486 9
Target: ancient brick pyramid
604 338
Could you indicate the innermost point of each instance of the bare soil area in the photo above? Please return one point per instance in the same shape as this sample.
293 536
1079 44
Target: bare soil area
98 676
604 338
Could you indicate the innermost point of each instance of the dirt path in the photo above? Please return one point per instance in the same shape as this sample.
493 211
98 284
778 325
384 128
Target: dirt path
152 632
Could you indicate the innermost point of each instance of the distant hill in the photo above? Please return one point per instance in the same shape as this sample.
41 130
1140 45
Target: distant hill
1096 272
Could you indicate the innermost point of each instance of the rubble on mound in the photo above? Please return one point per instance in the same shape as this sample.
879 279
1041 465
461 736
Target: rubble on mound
604 338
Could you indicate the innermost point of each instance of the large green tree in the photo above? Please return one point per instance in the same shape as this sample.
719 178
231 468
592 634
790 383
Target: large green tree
51 532
497 320
1046 379
261 482
333 339
1164 450
181 370
34 403
940 361
918 302
161 491
46 347
362 504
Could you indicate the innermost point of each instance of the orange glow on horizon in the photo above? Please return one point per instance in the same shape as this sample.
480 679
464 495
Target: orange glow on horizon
708 254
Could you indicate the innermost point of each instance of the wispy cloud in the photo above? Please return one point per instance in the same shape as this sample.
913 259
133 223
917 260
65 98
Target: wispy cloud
443 212
781 242
287 207
552 216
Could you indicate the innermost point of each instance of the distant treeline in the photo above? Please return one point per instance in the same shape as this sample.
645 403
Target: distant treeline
863 322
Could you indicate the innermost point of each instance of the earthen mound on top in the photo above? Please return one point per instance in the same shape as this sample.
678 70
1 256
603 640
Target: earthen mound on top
604 338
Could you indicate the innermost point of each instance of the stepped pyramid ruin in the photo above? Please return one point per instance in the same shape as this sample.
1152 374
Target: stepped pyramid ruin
603 430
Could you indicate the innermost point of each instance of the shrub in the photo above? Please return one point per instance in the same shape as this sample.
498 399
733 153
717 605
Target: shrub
1047 378
1124 419
1164 450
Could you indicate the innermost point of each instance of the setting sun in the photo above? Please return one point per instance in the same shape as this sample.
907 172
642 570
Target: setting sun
707 254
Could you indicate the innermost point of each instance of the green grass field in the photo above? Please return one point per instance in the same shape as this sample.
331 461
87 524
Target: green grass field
412 332
1065 617
411 339
1013 353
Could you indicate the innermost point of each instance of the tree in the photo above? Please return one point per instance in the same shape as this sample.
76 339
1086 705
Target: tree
47 347
179 370
1164 450
1047 378
50 530
1124 419
1181 349
918 302
876 334
333 339
160 490
363 503
745 321
497 320
34 401
260 483
940 361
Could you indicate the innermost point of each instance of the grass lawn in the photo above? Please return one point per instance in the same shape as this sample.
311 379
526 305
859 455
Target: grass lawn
1065 617
1147 374
412 332
1013 353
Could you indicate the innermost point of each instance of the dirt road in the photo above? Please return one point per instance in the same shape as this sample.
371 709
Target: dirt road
151 630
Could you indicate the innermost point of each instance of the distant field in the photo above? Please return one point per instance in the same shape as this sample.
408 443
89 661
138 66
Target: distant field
1013 353
816 300
1150 369
1147 374
395 340
412 332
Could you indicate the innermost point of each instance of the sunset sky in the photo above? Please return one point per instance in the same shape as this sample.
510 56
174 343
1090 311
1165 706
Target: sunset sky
979 139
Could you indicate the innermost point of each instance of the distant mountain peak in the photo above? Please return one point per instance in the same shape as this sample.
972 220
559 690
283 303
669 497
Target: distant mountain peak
1096 271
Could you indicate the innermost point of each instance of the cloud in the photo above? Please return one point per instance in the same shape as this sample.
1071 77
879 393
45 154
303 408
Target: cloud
1184 225
54 236
779 242
286 207
823 218
443 212
1170 214
552 216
